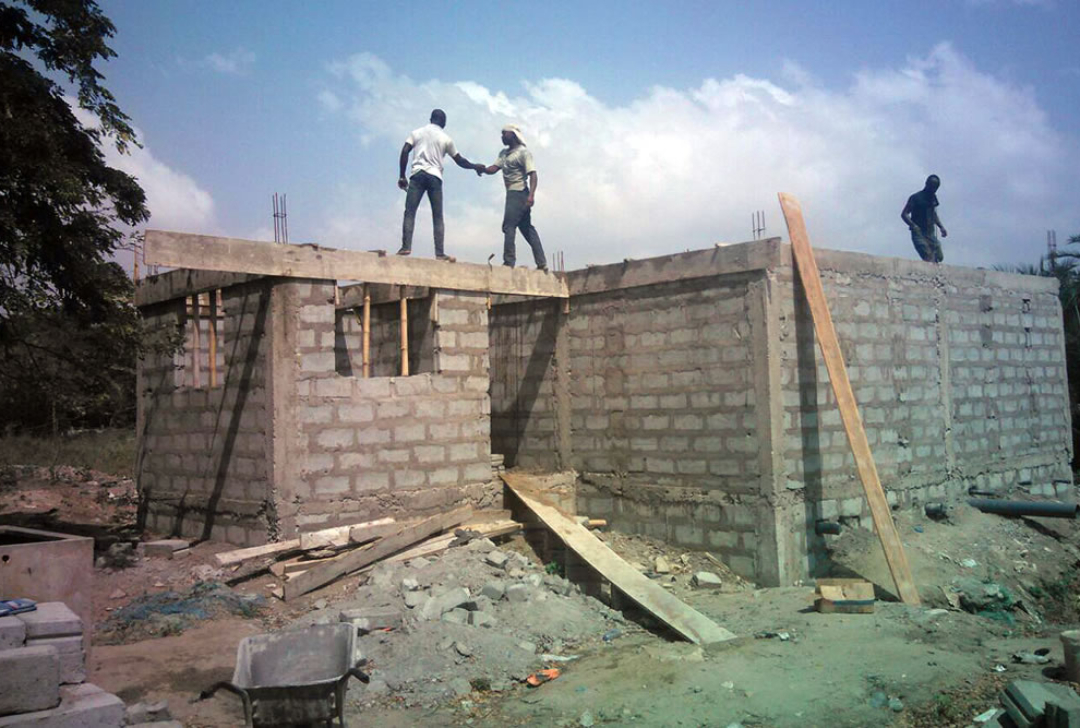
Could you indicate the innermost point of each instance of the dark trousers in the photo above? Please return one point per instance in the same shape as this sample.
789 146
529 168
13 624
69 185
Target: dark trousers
420 183
517 216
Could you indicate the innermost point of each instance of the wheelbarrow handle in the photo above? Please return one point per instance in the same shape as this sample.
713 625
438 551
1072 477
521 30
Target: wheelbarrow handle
225 685
359 674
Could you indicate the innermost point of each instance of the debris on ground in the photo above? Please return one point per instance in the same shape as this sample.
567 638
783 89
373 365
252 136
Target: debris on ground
170 612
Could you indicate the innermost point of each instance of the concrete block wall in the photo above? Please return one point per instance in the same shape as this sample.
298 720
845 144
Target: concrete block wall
387 445
204 450
648 392
690 394
960 378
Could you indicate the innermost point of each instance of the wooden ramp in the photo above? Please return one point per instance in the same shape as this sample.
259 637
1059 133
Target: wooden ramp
689 623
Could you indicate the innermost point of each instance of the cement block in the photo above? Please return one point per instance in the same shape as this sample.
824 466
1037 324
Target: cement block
51 619
493 590
518 593
12 633
72 656
30 677
368 620
165 548
81 706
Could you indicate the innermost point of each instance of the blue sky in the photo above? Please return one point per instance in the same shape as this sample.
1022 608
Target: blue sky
656 127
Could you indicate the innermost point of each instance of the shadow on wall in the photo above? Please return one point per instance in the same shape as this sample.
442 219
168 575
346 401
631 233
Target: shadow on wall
228 416
809 428
526 385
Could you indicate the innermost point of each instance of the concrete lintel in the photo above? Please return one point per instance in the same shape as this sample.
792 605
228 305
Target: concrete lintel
352 296
312 261
185 282
718 260
842 261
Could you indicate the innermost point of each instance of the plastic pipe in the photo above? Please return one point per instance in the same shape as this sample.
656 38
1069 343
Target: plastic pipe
1025 508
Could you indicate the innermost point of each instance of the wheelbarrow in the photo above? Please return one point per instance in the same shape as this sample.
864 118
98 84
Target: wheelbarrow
294 677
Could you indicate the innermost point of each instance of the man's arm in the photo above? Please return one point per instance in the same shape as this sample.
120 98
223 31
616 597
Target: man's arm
402 161
466 164
905 214
937 221
490 169
532 189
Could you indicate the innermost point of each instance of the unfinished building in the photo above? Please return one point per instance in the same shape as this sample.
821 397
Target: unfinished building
687 391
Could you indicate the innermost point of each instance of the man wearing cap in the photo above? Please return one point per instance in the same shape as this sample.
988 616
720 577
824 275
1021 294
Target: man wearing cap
920 215
519 175
429 144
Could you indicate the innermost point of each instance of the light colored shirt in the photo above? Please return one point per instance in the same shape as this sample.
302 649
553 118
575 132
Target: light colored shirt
515 164
429 145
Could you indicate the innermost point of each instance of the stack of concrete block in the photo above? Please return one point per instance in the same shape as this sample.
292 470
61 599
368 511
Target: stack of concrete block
43 673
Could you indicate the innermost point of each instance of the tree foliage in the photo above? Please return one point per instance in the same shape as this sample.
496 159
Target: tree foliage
68 331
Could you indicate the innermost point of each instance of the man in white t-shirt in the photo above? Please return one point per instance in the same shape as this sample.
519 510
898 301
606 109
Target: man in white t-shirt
428 144
519 175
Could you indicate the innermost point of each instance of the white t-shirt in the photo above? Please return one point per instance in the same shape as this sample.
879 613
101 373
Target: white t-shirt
429 144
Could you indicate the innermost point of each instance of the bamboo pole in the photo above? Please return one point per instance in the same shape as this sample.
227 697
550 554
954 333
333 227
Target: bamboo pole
213 338
404 334
367 331
196 372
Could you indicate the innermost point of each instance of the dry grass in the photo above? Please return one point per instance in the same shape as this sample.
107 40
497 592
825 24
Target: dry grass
109 451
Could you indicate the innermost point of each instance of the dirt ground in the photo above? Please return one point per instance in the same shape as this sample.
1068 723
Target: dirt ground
934 665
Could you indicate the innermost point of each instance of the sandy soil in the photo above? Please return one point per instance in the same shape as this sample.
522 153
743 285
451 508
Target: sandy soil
938 665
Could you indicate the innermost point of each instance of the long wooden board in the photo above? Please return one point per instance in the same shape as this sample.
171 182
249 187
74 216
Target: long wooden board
342 535
680 617
359 558
845 400
204 252
226 558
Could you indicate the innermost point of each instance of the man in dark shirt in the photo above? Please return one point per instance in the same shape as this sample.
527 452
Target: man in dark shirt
920 215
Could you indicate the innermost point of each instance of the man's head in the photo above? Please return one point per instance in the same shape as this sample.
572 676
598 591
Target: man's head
438 116
932 183
512 136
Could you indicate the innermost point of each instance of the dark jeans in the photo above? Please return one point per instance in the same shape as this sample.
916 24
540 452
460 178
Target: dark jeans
927 246
517 216
420 183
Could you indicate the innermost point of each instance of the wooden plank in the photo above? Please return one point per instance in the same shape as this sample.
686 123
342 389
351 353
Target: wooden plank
680 617
845 400
205 252
340 535
227 558
359 558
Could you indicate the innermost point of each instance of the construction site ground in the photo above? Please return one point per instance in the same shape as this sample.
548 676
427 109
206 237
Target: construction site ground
168 628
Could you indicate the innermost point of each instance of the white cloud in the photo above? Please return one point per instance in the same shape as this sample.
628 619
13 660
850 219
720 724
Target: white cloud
238 62
175 200
678 169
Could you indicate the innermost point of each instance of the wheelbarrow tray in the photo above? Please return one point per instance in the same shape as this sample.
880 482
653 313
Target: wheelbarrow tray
296 676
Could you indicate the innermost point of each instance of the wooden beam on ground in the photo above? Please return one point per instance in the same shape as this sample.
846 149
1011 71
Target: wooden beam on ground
340 535
236 556
680 617
310 261
359 558
182 283
845 400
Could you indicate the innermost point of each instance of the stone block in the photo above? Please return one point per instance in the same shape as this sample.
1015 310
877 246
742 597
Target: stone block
443 603
456 616
494 590
30 677
51 619
12 633
368 620
482 619
81 706
496 558
518 593
72 656
706 580
165 548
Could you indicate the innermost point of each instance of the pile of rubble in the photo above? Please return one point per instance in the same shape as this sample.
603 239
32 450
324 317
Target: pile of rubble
474 618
